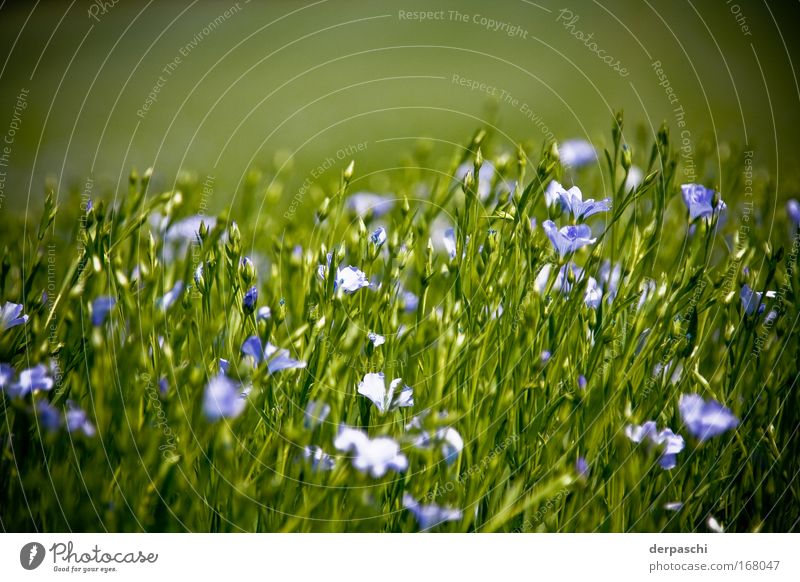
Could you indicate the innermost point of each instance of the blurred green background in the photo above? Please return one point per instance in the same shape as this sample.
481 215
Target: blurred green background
268 79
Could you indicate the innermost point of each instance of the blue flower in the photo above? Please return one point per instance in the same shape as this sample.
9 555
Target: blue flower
315 414
572 200
277 359
410 301
610 279
700 201
450 442
250 300
171 296
320 460
705 419
568 239
363 202
223 398
31 380
378 237
581 467
78 420
350 279
449 240
793 210
753 299
11 316
374 456
6 376
377 340
49 416
101 307
576 153
672 443
373 386
429 516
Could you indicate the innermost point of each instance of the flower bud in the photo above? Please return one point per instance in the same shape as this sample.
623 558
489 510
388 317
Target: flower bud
247 270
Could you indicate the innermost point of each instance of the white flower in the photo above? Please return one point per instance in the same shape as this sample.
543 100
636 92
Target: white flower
373 386
375 456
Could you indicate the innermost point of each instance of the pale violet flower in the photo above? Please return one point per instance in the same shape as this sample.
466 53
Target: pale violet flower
11 316
277 359
377 340
378 237
701 201
593 295
49 416
705 419
315 414
78 420
223 398
350 279
363 202
671 442
320 460
410 301
572 201
374 456
673 506
429 516
101 307
568 239
576 153
171 296
263 313
188 229
449 240
610 278
373 386
451 443
793 210
31 380
753 299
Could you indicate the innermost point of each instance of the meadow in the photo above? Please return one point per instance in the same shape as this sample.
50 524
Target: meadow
562 337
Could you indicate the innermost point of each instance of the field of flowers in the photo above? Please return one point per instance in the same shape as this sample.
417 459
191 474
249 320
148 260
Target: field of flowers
586 337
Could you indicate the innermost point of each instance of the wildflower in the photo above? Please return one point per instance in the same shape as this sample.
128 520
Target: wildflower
568 239
673 506
793 210
49 416
101 307
582 467
451 443
410 301
705 419
545 356
222 398
263 313
363 202
322 270
635 177
11 316
610 277
350 280
277 359
377 340
6 376
576 153
373 386
429 516
315 414
250 299
247 270
701 201
572 201
31 380
78 420
320 460
582 382
171 296
593 295
714 525
378 237
753 299
449 239
375 456
672 443
188 229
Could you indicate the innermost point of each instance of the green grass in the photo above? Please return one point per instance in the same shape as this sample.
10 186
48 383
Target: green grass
158 464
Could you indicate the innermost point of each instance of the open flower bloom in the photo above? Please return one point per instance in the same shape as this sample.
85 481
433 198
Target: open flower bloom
350 279
593 295
101 307
700 201
373 386
446 438
576 153
320 460
572 201
11 316
374 456
449 239
429 516
31 380
49 416
223 398
78 420
171 296
672 443
568 239
753 299
363 202
705 419
277 359
377 340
